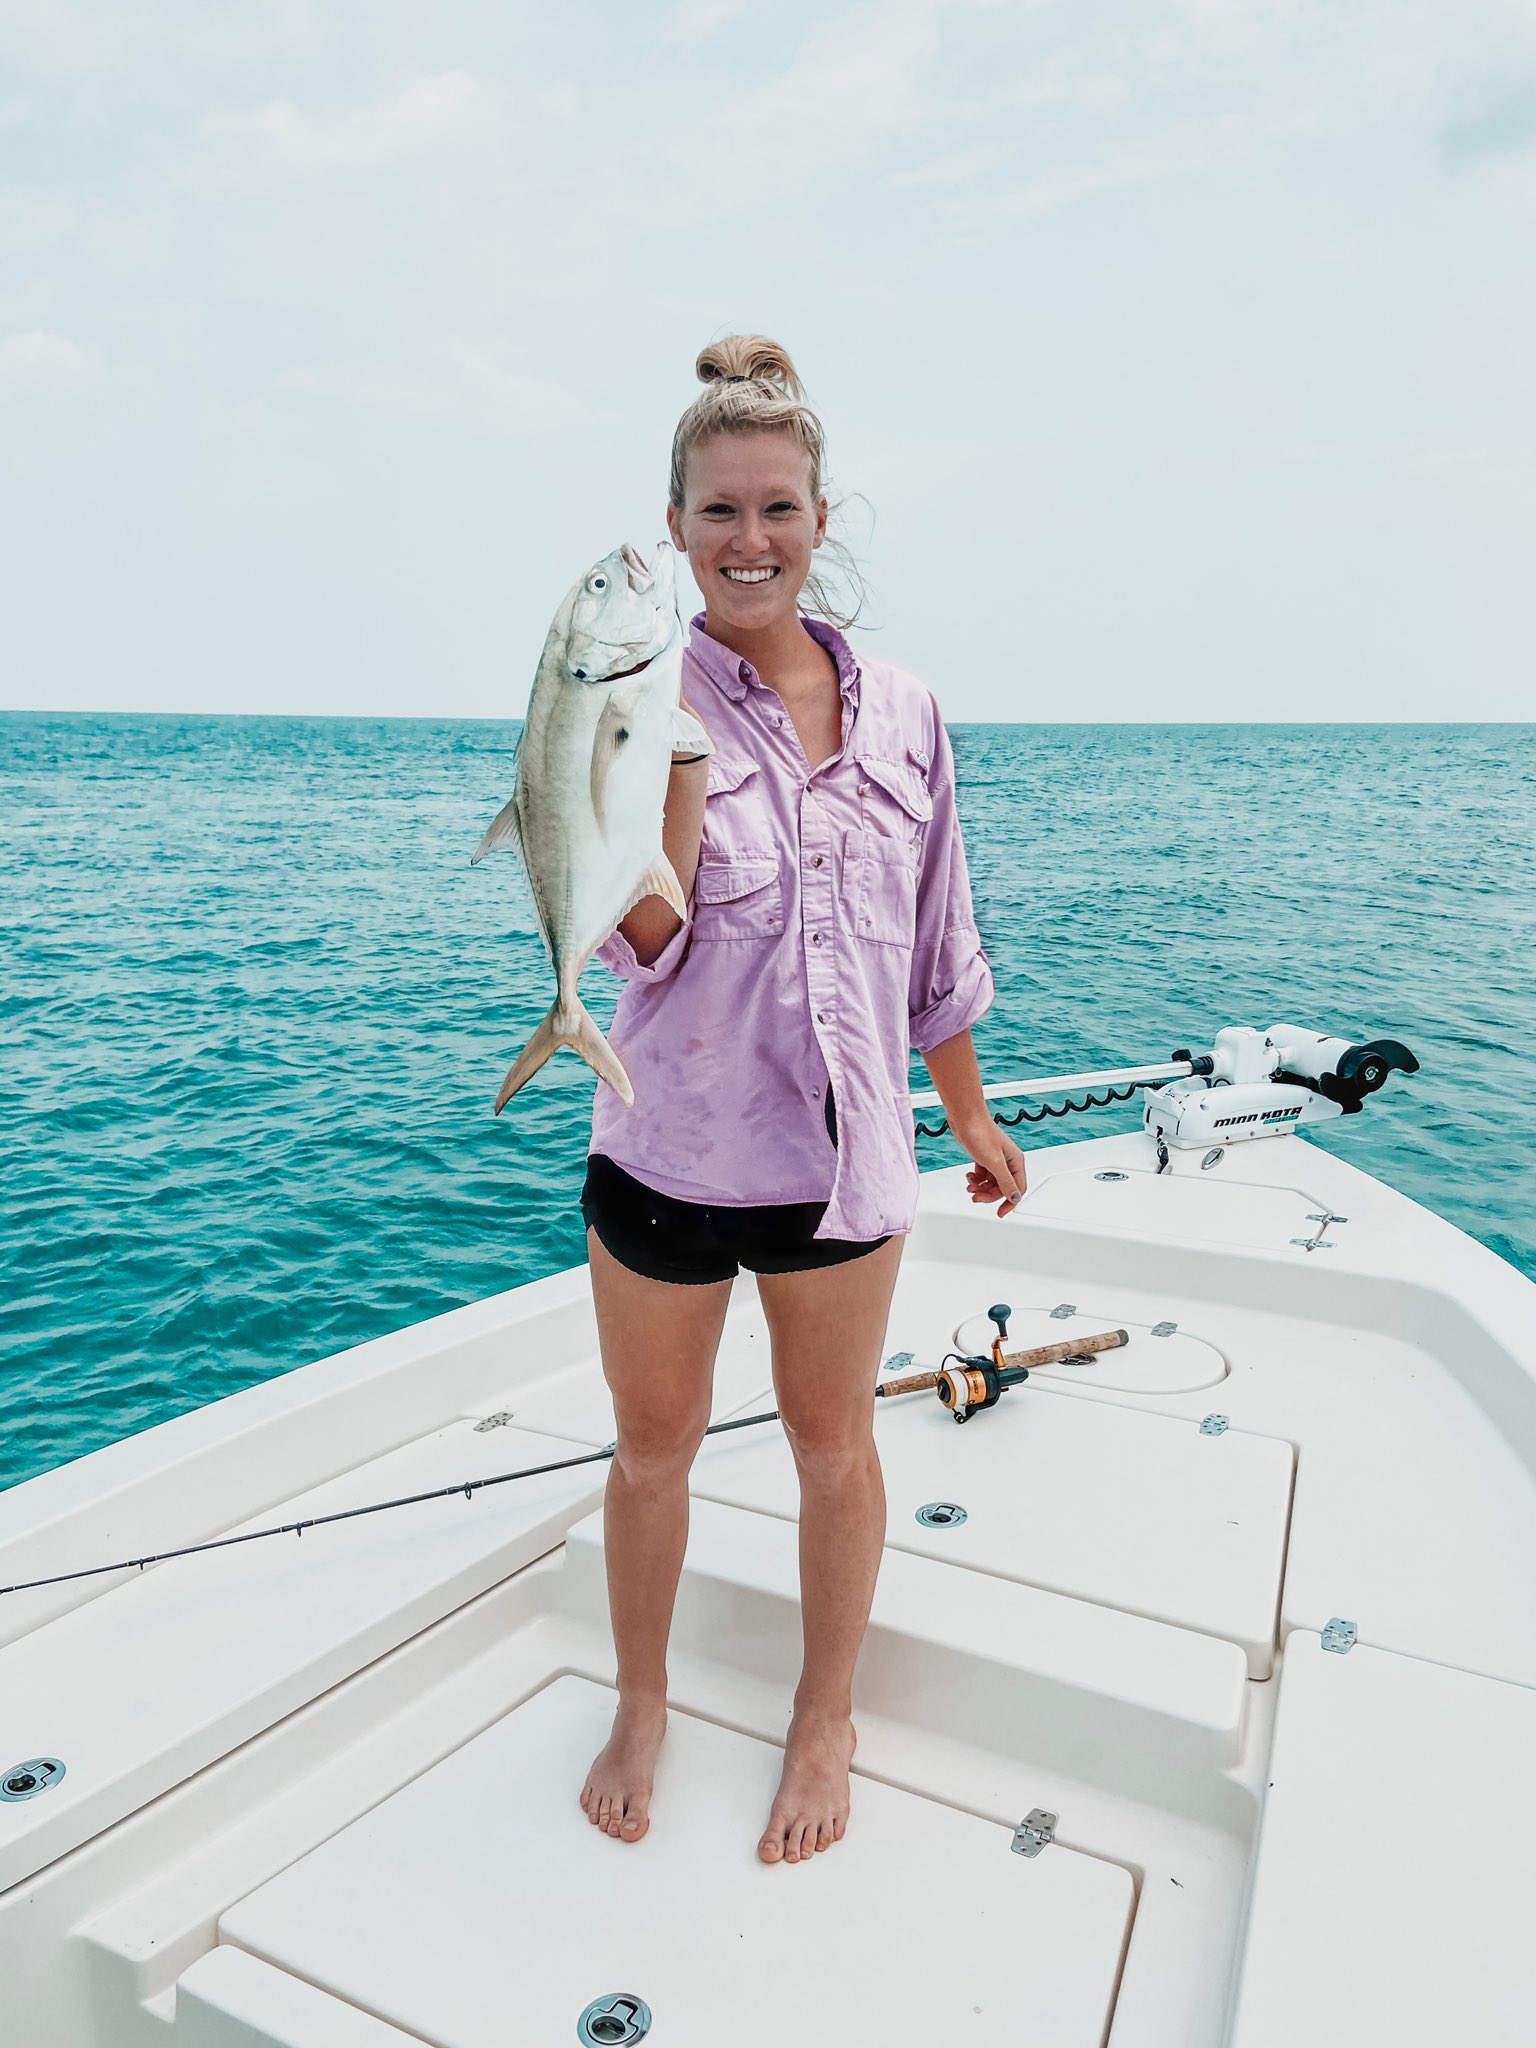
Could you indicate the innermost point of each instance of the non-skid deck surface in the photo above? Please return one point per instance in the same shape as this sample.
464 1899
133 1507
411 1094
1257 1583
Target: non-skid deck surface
203 1652
1396 1875
1136 1511
1146 1203
479 1906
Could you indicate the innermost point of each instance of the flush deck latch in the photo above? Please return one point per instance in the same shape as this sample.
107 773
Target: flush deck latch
620 2018
25 1781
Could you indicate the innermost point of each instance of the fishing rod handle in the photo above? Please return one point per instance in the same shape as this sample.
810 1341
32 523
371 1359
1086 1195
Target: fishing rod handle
918 1383
1074 1347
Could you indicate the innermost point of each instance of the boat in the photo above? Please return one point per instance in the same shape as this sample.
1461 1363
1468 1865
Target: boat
1198 1704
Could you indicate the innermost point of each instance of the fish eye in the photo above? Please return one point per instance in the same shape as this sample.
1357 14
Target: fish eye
599 583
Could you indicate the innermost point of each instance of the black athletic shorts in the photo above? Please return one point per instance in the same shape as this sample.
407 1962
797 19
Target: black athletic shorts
693 1243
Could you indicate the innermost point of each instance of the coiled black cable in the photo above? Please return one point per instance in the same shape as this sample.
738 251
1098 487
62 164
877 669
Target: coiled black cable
1038 1116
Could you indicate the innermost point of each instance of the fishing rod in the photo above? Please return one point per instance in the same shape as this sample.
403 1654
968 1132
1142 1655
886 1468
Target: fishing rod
979 1383
467 1487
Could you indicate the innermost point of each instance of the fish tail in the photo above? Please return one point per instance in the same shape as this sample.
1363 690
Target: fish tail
567 1022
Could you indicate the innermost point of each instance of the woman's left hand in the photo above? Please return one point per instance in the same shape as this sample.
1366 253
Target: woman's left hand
998 1174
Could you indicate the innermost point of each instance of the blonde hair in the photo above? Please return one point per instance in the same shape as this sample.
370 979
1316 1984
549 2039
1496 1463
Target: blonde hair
752 387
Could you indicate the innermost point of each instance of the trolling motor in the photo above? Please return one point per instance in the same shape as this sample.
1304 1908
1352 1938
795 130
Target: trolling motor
1259 1084
978 1381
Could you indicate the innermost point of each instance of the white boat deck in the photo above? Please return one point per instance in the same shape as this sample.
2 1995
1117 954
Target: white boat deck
321 1791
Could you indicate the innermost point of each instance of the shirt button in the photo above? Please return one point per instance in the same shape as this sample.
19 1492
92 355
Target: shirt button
821 1017
815 938
816 861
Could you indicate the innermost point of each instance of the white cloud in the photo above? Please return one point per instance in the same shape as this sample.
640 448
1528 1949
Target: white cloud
359 138
367 283
48 365
692 23
467 382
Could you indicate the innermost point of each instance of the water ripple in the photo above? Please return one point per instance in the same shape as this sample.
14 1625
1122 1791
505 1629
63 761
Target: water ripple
258 1005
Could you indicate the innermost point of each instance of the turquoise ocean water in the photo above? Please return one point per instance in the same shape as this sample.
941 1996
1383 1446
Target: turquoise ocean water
257 1006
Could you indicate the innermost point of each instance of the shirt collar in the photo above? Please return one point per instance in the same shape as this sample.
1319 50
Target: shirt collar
736 676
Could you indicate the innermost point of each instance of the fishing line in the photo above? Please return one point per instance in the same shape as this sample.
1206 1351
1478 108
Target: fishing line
467 1487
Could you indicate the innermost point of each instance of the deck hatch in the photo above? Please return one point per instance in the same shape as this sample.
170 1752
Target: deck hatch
1212 1210
1119 1506
478 1897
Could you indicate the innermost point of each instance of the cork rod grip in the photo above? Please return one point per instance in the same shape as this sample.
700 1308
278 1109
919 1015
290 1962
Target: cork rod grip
1074 1347
918 1383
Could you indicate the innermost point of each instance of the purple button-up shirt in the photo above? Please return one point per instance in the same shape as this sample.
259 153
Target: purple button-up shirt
830 929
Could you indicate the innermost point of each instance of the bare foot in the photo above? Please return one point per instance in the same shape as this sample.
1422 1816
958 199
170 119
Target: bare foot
617 1794
810 1811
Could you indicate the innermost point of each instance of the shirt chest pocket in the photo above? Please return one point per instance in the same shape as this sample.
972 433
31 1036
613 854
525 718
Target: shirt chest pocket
738 892
881 856
737 899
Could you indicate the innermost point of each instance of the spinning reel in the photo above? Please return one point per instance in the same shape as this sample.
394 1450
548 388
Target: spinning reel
979 1380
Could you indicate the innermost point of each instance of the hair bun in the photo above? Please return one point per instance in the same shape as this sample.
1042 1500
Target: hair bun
748 358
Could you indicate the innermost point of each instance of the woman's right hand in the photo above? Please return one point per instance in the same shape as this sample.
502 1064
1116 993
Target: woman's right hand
685 757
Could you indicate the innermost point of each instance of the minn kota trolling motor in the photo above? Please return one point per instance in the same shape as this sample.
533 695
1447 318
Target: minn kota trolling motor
1260 1084
980 1381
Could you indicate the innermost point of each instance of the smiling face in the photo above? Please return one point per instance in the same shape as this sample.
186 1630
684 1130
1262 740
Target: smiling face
749 525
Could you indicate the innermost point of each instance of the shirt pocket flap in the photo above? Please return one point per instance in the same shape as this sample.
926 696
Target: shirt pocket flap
727 881
878 846
728 771
902 780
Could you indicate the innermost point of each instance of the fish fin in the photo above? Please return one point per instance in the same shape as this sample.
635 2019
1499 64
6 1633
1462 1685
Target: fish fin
505 829
688 734
660 879
571 1024
613 729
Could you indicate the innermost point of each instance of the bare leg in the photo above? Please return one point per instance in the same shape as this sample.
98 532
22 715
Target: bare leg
827 1327
658 1345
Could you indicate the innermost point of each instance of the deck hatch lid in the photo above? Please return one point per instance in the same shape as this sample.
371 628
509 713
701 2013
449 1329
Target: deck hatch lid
483 1878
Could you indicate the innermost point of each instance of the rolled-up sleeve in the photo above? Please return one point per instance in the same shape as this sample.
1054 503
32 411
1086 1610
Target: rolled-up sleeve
619 957
951 984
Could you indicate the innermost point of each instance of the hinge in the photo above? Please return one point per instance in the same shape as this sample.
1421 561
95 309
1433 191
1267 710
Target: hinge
1034 1831
1062 1310
1215 1425
1339 1636
1164 1329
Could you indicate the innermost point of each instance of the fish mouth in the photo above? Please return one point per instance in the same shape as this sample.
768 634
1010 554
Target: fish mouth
608 675
641 579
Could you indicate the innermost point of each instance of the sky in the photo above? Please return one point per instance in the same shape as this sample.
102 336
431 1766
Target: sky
1175 356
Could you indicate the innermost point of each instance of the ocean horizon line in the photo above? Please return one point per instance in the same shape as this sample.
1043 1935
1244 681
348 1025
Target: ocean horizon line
434 718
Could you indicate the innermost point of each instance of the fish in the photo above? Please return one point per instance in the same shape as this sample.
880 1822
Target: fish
592 763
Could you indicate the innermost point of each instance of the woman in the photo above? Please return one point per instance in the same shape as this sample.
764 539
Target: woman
767 1037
